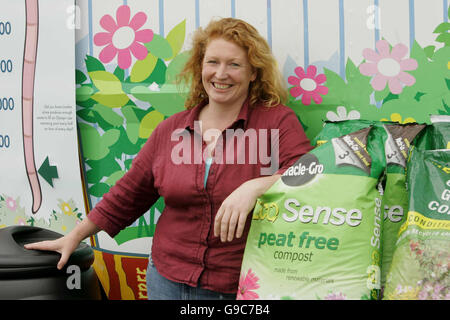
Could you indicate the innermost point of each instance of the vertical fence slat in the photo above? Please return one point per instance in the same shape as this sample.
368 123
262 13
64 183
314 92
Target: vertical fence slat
428 14
287 34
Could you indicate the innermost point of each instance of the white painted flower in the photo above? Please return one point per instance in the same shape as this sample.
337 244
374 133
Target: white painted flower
341 114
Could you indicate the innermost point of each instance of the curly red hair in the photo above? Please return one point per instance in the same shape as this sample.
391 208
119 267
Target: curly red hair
268 87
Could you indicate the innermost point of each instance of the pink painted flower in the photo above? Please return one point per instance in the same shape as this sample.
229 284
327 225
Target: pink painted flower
308 85
11 204
246 284
124 37
388 66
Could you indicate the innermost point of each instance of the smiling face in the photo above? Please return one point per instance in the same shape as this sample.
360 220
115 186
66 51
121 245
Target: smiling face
226 73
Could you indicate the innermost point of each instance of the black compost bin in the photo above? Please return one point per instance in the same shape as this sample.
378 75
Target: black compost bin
32 274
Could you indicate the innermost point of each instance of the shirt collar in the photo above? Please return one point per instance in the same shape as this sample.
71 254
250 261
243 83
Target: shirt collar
195 112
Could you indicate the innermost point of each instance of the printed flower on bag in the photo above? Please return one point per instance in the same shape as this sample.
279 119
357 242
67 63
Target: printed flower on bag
341 114
335 296
308 85
406 292
246 285
388 66
433 260
123 38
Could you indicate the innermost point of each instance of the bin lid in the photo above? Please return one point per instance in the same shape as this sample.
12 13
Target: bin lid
15 260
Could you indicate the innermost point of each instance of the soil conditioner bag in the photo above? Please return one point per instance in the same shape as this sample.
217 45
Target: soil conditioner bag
315 233
420 266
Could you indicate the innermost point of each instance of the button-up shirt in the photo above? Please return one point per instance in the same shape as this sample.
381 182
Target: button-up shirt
171 164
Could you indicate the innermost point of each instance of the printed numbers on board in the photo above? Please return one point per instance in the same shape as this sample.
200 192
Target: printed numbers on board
6 104
5 28
4 141
6 66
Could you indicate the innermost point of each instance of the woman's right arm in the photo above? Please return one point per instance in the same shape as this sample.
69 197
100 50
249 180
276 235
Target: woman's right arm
68 243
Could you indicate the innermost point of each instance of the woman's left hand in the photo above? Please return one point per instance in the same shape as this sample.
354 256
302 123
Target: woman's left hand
232 214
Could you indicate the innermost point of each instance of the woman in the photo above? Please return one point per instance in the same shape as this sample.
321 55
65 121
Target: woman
202 162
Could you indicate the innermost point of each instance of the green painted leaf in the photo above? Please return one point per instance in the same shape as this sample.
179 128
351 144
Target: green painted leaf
108 115
168 100
159 74
149 123
159 47
84 93
351 72
429 51
142 69
444 38
176 38
112 179
443 27
124 145
91 142
99 189
102 168
87 115
381 95
119 73
175 66
79 77
110 137
93 64
132 123
128 163
110 89
430 75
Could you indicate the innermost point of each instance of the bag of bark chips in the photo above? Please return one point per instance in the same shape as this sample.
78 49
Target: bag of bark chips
315 233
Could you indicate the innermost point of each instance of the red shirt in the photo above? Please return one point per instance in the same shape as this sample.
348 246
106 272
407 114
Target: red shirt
184 246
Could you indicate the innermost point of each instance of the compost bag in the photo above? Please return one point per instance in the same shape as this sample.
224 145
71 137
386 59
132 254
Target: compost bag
421 262
436 135
395 199
397 142
315 234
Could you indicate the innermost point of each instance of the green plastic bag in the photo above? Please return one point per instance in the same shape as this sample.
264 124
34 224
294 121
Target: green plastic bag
397 142
437 134
315 234
395 197
421 263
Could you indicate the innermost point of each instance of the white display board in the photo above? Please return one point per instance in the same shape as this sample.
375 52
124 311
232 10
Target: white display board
40 178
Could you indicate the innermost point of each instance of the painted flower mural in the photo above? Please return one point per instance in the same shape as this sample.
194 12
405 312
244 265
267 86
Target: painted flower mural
308 85
342 114
246 285
388 66
123 37
396 117
11 204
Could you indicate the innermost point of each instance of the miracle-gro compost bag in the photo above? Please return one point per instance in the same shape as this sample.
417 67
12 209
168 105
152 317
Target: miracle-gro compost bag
420 266
315 234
